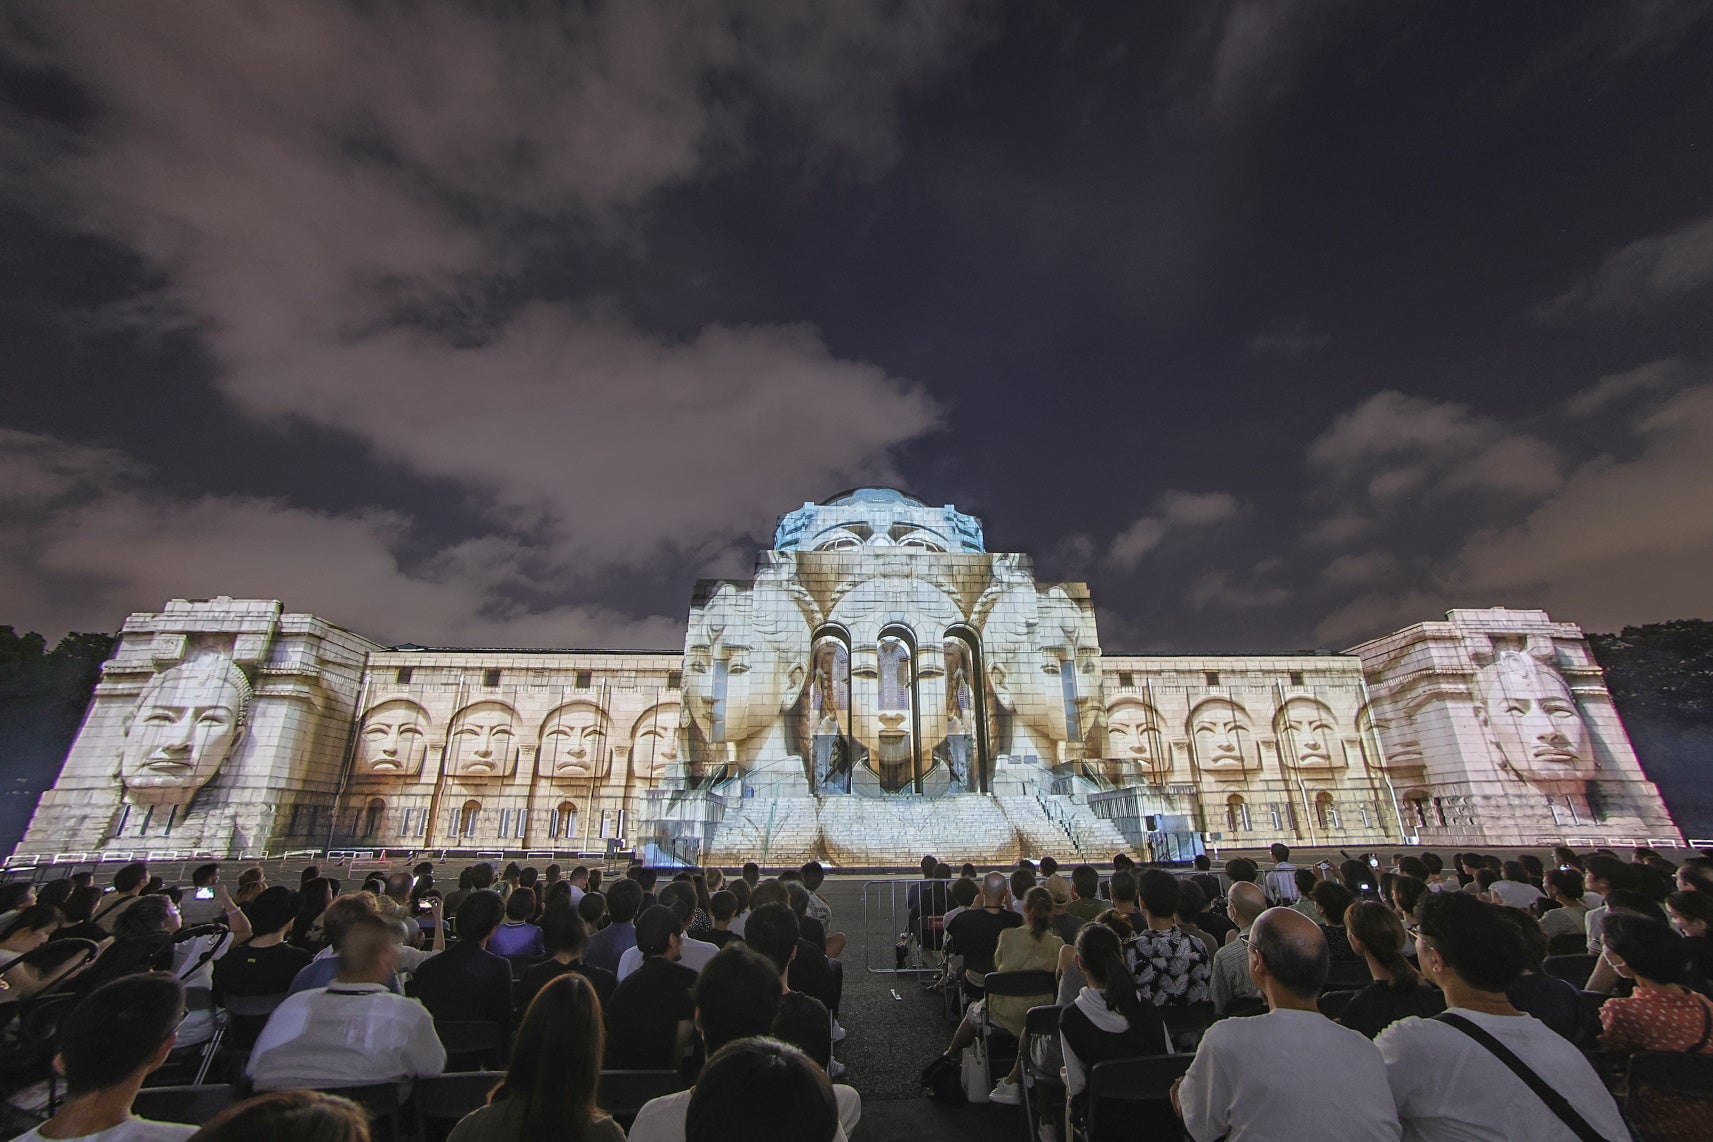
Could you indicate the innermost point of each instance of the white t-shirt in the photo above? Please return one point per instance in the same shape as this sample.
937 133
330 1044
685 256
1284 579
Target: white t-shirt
1515 893
1449 1087
662 1119
1247 1083
130 1130
694 955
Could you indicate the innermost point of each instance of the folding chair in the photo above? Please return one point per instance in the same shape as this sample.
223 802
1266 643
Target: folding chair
1186 1025
471 1045
622 1093
1669 1095
1333 1003
1146 1081
1345 975
190 1105
1572 969
1034 984
444 1099
1040 1027
380 1101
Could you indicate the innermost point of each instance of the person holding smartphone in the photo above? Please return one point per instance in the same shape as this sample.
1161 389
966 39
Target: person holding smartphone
201 904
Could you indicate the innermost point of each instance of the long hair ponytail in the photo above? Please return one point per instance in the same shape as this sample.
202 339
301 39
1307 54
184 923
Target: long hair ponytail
1038 911
1381 935
1103 960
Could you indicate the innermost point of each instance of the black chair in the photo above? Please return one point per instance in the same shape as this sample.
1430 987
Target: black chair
441 1100
1333 1003
190 1105
622 1093
1042 1023
1347 975
1147 1081
471 1045
1670 1095
1001 1044
1186 1025
1571 969
380 1101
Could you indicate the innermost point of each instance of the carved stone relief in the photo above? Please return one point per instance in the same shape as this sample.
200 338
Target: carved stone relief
482 742
393 741
185 724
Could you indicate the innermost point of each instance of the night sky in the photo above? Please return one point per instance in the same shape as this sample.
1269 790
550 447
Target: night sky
1281 324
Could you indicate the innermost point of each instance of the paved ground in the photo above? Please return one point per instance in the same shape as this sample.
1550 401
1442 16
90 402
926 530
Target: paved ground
893 1028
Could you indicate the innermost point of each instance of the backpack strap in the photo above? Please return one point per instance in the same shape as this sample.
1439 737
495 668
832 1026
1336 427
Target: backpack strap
1555 1102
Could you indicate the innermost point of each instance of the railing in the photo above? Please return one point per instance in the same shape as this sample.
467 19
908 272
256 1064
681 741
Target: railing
903 948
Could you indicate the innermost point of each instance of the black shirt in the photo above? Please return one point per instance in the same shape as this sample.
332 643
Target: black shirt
975 935
542 974
246 970
465 982
720 937
1379 1005
643 1018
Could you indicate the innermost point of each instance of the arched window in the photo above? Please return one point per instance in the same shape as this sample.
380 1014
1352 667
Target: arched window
373 814
1324 814
1236 814
962 686
465 823
1416 808
564 823
827 712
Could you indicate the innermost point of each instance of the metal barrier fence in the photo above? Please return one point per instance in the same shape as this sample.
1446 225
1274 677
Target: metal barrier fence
900 936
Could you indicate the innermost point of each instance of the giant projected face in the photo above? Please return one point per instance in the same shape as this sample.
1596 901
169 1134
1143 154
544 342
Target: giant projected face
186 723
1531 719
393 740
482 741
1223 738
1390 737
654 742
1043 668
745 665
574 742
1308 738
1135 747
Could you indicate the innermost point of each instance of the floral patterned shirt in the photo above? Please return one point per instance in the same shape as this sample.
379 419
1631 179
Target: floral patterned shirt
1171 967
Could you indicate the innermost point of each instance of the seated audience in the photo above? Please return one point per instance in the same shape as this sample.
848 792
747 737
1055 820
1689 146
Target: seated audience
1691 913
592 908
809 970
1661 1014
740 888
1065 926
1231 982
736 996
1211 917
334 923
722 907
1305 881
974 933
1281 880
814 876
1398 990
648 1020
1106 1020
1331 902
1534 992
288 1116
129 884
1569 921
353 1032
1191 900
1085 903
802 1021
1514 889
607 946
550 1087
265 964
467 982
114 1039
1247 1080
1033 946
773 931
566 939
318 894
1172 967
29 928
679 898
1124 889
760 1090
518 935
1466 947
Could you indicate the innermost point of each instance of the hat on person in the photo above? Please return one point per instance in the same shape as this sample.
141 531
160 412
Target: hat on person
272 909
1058 888
655 929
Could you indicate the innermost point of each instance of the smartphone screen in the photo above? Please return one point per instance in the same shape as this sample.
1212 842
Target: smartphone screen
1373 862
204 894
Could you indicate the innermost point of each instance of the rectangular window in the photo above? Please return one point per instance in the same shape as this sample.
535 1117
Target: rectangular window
408 827
491 679
1126 679
674 679
1213 678
1296 678
585 679
404 674
1332 819
1366 819
1278 819
505 822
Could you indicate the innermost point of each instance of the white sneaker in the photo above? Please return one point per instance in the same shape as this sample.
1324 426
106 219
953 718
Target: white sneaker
835 1069
1006 1092
1048 1132
838 1032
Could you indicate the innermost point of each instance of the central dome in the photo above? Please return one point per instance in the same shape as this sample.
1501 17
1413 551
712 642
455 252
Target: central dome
877 517
872 496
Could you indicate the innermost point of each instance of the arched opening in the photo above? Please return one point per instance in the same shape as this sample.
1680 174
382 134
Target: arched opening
464 822
1416 803
1236 814
827 713
896 710
373 815
1324 814
962 750
563 826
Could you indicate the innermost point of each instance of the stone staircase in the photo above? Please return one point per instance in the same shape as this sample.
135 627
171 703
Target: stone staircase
852 831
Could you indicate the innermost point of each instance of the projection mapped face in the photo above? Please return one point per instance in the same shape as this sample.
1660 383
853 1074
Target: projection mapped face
654 742
393 741
1399 738
746 661
1043 663
1308 739
186 723
1224 741
1531 719
574 742
482 741
1134 741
